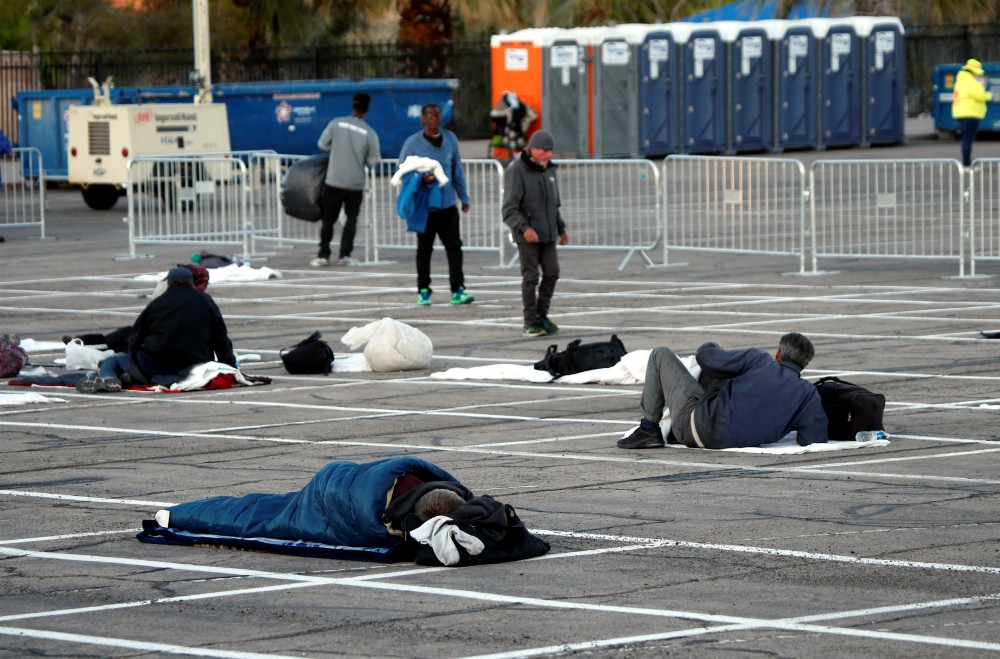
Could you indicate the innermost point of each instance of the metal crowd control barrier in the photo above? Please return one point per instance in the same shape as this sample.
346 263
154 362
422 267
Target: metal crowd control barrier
611 205
730 204
191 199
22 189
482 226
983 185
270 222
888 209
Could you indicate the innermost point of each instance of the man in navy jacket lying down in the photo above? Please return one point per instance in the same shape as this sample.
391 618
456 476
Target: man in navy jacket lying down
743 398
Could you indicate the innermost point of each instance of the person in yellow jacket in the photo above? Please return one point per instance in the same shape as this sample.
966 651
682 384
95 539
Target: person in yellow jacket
968 105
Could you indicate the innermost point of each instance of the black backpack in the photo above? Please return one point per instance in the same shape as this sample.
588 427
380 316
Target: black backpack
309 356
849 408
579 357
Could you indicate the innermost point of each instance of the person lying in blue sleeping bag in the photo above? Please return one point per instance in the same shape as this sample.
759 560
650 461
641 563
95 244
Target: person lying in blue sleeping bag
387 503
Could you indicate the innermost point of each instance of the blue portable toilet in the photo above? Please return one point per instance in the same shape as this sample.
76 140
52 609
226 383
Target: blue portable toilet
704 90
42 124
840 82
750 81
659 89
796 86
566 91
883 81
616 93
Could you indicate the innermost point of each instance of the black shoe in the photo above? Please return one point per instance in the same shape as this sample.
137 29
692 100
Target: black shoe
642 439
93 383
548 325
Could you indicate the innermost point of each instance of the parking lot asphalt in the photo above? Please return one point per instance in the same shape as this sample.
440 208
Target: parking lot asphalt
866 551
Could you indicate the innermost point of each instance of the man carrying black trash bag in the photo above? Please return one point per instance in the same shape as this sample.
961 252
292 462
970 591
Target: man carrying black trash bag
352 144
743 398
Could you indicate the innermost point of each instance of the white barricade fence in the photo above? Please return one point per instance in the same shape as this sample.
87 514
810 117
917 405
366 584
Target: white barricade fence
270 222
888 208
192 199
22 189
983 185
611 205
482 226
732 204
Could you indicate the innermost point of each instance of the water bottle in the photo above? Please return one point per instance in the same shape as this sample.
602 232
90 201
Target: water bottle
246 261
870 435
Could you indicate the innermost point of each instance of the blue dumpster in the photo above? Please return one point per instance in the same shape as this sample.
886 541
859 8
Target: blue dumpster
797 87
750 81
944 83
840 82
287 117
659 90
42 124
883 81
704 91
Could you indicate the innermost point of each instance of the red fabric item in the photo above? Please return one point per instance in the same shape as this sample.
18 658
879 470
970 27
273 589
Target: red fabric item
404 484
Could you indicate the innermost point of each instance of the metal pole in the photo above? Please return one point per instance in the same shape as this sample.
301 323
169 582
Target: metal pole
202 50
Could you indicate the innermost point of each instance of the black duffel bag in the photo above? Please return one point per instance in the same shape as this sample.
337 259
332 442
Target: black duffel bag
850 408
579 357
310 356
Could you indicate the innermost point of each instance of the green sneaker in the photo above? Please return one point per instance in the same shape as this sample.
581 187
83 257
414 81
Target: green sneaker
533 330
461 297
548 325
424 297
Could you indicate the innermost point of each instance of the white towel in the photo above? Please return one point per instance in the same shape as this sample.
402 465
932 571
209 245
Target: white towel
443 537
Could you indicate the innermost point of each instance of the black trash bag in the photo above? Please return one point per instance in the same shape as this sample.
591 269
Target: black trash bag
302 188
309 356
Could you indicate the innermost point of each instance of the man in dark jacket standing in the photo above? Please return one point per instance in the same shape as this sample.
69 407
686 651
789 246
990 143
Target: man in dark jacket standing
531 210
743 398
175 331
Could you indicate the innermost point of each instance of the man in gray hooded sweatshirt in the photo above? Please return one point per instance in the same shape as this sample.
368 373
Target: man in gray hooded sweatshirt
531 210
352 145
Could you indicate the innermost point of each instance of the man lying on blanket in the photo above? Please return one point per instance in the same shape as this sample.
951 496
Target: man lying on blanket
387 503
180 328
743 398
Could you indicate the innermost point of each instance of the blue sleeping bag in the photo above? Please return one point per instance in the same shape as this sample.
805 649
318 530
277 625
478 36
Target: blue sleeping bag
342 505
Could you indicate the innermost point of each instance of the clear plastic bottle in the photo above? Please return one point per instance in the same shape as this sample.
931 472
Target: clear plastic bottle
871 435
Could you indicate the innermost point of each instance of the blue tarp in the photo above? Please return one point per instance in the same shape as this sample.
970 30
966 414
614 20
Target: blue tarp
752 10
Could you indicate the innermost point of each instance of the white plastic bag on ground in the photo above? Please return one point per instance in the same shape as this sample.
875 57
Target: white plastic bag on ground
391 345
81 357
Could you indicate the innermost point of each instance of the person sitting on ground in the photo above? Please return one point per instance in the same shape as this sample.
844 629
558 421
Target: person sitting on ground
118 340
743 398
181 328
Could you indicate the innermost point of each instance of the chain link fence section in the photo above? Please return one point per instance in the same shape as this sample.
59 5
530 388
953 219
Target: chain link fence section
192 200
22 189
729 204
889 209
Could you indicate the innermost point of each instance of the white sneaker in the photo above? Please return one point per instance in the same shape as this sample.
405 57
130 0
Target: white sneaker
319 262
348 260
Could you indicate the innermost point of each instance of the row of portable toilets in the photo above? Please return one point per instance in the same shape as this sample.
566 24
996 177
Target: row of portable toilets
723 87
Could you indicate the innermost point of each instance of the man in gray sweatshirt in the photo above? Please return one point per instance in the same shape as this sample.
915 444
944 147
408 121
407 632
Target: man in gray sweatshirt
352 144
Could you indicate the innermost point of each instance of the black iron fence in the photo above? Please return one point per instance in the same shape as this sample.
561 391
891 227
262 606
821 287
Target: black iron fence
467 61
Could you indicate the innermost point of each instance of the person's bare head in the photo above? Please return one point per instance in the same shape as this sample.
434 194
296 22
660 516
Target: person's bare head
437 502
795 349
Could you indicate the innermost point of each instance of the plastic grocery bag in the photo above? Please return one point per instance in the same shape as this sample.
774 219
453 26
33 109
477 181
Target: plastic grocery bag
80 357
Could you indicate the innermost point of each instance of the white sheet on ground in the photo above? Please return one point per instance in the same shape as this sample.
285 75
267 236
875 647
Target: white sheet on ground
351 362
234 272
631 369
202 374
27 399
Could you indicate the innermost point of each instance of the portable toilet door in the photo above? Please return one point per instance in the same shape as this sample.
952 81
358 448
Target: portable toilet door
616 114
883 82
840 85
659 98
796 87
566 94
751 86
704 91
